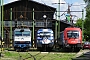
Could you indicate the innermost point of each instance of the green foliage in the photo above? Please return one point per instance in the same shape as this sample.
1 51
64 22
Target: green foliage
87 27
87 20
36 55
79 23
86 1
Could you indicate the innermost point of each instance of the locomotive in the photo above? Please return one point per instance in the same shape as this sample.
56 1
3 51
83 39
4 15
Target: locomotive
22 39
70 39
45 39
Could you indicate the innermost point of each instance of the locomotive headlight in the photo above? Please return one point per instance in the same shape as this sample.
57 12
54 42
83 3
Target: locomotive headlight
38 34
51 34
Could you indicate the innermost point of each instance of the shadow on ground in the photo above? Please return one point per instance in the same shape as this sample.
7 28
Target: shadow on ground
85 56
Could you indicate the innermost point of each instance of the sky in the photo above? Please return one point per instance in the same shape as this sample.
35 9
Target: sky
63 7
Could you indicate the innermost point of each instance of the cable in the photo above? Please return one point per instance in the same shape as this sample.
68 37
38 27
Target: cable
51 10
55 13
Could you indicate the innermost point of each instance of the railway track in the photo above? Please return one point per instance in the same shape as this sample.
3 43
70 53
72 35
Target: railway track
27 55
31 56
37 55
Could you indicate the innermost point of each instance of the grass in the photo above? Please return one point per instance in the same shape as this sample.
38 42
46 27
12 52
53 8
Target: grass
42 56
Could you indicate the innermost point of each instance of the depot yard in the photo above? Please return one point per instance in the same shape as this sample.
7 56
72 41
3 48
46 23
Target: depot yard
37 55
13 55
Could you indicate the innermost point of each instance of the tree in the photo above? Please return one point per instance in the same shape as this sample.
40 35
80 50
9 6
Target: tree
87 20
79 23
87 2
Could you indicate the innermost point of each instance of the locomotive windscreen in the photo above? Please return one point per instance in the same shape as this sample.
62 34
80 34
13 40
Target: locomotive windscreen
73 34
45 34
24 33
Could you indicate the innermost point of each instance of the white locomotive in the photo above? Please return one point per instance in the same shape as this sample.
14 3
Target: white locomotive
22 39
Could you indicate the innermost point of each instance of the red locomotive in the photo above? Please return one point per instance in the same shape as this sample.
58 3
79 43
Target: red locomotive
71 38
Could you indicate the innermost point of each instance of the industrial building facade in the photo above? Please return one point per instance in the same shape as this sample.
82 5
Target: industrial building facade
29 13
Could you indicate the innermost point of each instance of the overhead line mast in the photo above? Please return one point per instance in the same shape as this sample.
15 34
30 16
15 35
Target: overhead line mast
59 19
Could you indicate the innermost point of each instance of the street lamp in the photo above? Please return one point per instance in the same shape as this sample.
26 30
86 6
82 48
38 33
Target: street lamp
44 16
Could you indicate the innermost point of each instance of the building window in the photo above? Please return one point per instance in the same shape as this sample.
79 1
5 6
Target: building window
39 24
8 23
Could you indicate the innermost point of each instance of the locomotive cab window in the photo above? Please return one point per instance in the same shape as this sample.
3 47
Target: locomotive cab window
24 33
18 33
73 34
45 34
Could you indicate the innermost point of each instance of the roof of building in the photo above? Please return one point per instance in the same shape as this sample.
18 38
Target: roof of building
30 1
